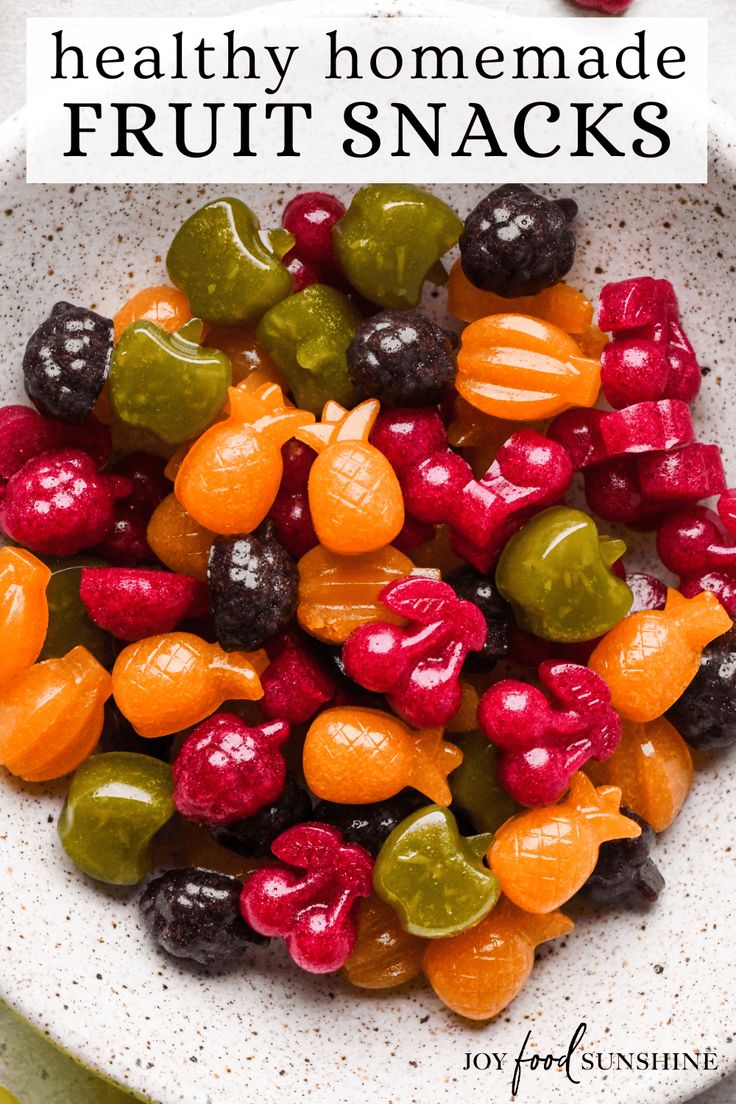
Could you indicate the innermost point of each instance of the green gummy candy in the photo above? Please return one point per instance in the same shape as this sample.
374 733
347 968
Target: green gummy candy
433 877
167 383
69 622
229 270
308 335
556 572
116 803
475 787
390 240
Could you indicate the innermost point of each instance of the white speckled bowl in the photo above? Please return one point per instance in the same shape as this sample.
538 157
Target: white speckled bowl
75 960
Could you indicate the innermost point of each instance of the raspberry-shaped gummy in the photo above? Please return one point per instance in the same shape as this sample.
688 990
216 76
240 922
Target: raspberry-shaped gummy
132 603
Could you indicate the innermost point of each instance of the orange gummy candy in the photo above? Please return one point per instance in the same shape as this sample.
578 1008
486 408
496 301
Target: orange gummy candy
561 305
354 495
653 768
166 306
355 755
230 476
385 955
250 362
178 540
166 683
339 593
543 856
651 657
479 972
24 611
520 368
51 716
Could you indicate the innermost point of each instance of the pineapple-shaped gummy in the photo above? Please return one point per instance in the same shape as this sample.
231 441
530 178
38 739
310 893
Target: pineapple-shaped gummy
543 856
354 495
230 476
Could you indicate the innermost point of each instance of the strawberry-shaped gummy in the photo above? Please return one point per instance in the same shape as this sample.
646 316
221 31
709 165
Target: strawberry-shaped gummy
132 603
295 685
309 217
543 742
309 897
418 666
228 770
696 545
290 512
59 503
24 433
127 545
529 472
649 356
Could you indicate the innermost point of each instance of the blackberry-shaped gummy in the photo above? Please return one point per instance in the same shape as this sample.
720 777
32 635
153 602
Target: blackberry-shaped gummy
624 872
253 836
195 913
705 715
401 358
66 362
481 590
517 242
253 586
369 825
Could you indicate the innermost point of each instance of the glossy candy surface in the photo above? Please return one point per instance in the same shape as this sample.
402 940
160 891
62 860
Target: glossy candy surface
59 503
220 261
385 955
356 755
295 684
652 767
337 594
705 714
695 544
309 897
253 588
229 478
542 742
166 307
542 857
51 716
227 770
390 240
354 496
116 803
168 383
649 658
401 358
66 362
24 612
556 572
132 603
650 356
309 217
195 914
561 305
426 852
69 622
479 972
476 790
517 242
624 871
24 433
178 540
516 367
165 683
418 666
308 335
290 512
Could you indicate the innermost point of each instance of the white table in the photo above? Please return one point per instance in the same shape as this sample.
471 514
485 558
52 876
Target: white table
722 14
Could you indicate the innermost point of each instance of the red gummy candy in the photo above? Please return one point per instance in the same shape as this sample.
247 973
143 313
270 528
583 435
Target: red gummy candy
649 592
578 431
541 743
127 545
59 503
132 603
303 273
311 901
228 770
528 650
419 666
295 686
695 545
310 216
290 512
693 472
608 7
593 436
727 510
649 356
24 433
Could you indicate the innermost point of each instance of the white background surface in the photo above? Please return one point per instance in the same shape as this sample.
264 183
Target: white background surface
722 14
